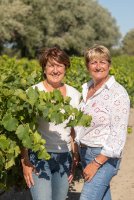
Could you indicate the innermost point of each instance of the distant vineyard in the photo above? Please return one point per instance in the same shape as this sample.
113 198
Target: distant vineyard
24 73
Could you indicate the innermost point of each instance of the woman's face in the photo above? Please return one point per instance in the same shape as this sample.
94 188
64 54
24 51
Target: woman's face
54 72
99 69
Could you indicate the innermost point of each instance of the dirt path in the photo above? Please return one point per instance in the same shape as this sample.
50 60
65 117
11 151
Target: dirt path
122 185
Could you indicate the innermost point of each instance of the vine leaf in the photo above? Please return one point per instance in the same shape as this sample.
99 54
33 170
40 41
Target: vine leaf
10 123
22 131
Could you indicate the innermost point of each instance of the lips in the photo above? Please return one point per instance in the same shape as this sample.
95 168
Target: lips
56 75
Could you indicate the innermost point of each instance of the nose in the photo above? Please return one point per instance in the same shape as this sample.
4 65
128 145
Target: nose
98 65
55 69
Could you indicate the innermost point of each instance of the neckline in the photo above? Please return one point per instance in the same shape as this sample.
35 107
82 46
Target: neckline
45 89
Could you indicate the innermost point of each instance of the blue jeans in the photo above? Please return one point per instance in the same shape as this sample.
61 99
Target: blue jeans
99 187
52 181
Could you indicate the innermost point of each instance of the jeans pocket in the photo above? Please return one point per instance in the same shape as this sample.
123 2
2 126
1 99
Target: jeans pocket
115 162
88 154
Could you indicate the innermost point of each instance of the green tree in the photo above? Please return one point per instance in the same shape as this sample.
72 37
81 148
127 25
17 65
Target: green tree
17 29
77 24
128 43
12 15
74 25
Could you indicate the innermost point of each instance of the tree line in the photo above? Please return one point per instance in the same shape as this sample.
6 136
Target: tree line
28 25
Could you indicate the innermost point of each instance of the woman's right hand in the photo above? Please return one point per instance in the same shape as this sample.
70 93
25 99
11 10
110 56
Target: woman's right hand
28 168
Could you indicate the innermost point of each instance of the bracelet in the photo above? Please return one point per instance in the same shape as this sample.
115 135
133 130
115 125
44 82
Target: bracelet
98 162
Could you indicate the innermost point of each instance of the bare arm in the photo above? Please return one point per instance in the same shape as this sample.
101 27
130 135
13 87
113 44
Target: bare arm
75 154
27 166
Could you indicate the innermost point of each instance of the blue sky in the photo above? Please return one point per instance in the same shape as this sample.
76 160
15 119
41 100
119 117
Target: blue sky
122 11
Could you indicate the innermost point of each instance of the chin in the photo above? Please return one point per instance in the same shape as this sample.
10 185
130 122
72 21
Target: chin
98 78
55 81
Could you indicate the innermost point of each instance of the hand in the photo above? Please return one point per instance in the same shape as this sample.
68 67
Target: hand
90 170
28 168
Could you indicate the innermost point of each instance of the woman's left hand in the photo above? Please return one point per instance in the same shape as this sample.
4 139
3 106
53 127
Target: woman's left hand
90 170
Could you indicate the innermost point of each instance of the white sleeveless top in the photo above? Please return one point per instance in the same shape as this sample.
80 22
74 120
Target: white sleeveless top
57 136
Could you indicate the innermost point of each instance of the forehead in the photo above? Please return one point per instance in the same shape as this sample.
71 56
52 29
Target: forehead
98 58
97 55
54 61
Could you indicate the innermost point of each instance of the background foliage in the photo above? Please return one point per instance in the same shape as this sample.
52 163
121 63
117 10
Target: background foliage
128 43
27 25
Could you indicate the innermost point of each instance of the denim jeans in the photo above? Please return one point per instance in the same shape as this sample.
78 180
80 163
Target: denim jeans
99 187
52 181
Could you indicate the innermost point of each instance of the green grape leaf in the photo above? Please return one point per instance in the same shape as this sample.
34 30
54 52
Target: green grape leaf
67 100
16 151
21 94
10 123
9 164
85 120
27 142
38 138
43 154
22 131
57 96
32 95
4 142
45 111
36 147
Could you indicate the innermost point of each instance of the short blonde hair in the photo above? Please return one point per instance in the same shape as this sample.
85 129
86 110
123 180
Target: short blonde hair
97 51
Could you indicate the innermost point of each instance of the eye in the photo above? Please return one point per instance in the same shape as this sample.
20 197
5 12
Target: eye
93 62
104 62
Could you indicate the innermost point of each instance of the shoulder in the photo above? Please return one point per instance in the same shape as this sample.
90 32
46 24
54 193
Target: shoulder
119 89
72 91
74 94
119 94
39 85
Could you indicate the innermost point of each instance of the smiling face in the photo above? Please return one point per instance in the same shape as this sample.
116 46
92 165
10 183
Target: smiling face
54 62
54 72
98 69
98 62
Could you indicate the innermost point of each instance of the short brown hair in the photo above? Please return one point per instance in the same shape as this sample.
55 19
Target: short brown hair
53 53
97 51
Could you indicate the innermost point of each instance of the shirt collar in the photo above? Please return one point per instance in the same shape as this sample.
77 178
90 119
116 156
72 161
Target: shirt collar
107 84
110 82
